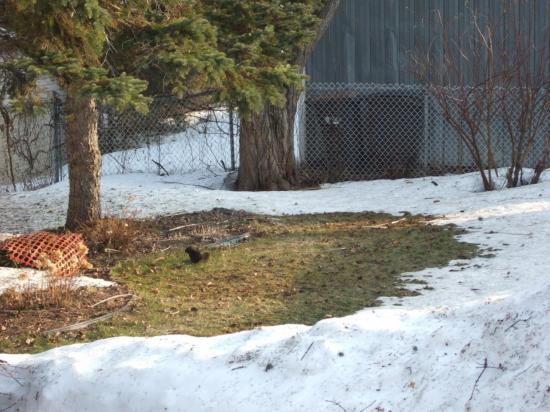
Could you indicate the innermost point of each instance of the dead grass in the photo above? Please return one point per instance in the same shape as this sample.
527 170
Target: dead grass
295 269
112 234
57 291
27 315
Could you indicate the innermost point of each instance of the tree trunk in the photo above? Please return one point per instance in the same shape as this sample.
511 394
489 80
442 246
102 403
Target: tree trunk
267 147
9 145
84 161
267 137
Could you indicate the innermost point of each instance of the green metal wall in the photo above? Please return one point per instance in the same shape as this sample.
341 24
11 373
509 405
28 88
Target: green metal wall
371 40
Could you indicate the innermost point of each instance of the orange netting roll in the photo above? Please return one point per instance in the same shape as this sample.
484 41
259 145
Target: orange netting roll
62 255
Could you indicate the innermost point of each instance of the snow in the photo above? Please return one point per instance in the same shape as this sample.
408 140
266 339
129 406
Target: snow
19 279
24 278
205 144
414 353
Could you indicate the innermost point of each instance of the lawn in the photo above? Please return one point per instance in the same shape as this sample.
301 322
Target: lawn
292 269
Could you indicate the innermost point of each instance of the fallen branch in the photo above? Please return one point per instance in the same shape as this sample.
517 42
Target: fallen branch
516 322
124 295
306 352
184 226
86 323
485 366
203 223
337 404
231 241
190 184
385 225
161 166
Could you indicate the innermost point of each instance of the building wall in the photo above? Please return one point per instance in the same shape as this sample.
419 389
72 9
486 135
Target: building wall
371 40
365 57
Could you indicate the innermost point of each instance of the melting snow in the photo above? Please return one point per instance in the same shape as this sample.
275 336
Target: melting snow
426 354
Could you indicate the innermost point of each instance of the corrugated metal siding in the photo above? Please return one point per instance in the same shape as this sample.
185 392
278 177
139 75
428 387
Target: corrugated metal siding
371 40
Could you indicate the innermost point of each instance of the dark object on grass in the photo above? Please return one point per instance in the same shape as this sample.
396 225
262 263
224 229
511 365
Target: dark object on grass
195 255
5 260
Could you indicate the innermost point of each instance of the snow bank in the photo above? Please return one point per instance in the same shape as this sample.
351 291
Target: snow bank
425 354
395 359
24 278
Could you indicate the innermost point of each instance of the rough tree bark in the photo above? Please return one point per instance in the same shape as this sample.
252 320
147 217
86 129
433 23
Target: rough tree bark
7 132
267 137
84 161
267 147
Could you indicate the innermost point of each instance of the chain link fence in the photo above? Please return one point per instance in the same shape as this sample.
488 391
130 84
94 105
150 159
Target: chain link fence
169 139
172 138
31 147
343 132
371 131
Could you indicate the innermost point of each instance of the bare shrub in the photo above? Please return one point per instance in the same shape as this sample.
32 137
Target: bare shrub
111 233
208 232
492 85
55 291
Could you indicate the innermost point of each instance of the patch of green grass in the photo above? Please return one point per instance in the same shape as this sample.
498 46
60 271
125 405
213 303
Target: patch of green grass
300 270
295 269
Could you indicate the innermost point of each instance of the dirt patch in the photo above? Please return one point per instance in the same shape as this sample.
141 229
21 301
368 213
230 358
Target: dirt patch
116 239
25 329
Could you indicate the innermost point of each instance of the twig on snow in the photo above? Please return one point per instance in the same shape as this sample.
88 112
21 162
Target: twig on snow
516 322
190 184
368 406
337 404
523 371
485 366
307 351
4 371
161 166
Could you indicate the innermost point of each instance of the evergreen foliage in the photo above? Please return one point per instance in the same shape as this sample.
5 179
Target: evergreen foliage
245 52
264 39
112 50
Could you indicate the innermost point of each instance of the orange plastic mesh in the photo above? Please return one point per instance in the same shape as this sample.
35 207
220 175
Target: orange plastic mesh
62 255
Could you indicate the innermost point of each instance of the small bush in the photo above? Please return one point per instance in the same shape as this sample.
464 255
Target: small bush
111 234
56 291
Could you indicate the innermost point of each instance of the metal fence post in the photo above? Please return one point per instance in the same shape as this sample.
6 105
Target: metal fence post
57 131
232 139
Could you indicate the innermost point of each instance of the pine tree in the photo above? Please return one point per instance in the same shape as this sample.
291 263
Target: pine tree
249 55
106 51
270 42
